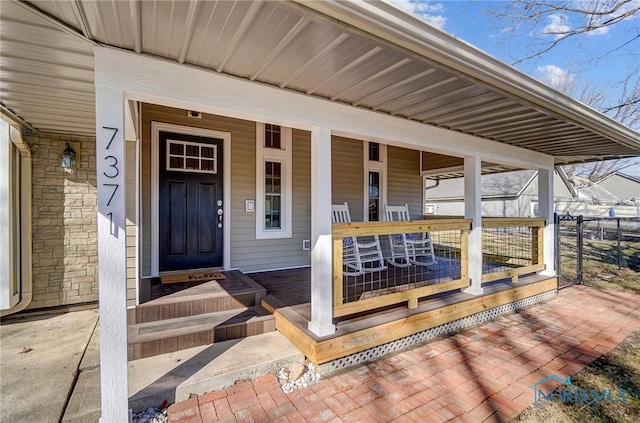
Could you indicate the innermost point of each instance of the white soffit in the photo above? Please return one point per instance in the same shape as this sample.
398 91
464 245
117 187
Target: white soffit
47 67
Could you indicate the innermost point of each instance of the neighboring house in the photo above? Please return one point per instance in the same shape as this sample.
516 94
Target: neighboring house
616 188
508 194
219 134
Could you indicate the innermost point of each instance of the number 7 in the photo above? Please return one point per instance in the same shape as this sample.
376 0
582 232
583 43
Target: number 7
113 193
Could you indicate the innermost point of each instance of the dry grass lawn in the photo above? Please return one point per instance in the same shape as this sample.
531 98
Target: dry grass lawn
619 369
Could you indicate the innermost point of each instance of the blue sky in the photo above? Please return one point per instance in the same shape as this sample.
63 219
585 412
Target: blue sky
569 64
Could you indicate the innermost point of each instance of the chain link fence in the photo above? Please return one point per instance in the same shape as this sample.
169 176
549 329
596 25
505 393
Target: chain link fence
595 245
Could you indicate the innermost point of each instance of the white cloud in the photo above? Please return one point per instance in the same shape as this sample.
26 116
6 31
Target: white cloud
558 26
556 77
432 13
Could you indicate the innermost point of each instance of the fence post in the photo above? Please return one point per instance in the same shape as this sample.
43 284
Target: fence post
618 236
579 247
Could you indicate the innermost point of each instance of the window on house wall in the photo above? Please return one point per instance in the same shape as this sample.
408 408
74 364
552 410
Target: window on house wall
374 196
272 136
272 195
273 181
375 169
374 152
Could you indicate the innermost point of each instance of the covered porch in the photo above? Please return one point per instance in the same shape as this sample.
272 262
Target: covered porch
372 310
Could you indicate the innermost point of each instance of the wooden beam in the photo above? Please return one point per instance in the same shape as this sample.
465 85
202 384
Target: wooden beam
342 230
398 297
511 222
342 346
337 272
488 277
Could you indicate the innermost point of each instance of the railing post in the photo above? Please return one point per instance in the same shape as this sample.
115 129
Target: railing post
337 273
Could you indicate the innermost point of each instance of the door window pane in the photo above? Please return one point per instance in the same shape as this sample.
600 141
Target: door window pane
187 156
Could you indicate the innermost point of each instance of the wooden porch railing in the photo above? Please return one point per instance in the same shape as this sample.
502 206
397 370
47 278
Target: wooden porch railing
511 247
450 237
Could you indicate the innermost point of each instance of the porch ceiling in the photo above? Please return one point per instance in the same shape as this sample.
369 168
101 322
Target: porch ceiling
369 56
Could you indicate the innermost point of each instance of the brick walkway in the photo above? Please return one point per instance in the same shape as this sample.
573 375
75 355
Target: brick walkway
482 373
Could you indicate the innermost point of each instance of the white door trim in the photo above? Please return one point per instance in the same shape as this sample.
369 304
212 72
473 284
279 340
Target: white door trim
156 127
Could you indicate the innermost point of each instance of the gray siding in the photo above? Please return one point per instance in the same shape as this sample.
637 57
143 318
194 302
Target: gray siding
247 253
347 175
404 180
251 254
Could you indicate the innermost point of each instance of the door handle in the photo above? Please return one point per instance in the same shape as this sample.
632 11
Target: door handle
220 213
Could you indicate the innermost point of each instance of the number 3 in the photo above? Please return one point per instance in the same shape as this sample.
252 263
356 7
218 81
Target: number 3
113 165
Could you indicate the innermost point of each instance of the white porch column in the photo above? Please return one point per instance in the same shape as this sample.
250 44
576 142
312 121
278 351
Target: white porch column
112 276
545 211
321 246
473 210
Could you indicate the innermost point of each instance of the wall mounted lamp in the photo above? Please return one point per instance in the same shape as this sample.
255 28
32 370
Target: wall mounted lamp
68 158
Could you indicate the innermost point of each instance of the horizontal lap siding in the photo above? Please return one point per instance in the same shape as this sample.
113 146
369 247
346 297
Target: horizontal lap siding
247 253
404 180
347 174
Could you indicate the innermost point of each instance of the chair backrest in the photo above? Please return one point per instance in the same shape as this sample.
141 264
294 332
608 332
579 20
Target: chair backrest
340 213
396 213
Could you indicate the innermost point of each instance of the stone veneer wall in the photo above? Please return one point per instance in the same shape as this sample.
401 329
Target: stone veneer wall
64 222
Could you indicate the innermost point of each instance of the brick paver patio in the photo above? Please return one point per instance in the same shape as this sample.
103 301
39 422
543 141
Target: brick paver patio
484 373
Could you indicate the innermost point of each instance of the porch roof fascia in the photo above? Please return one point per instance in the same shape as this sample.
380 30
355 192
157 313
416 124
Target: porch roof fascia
179 85
394 27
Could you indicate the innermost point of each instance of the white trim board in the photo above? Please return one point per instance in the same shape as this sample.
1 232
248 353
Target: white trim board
156 127
181 86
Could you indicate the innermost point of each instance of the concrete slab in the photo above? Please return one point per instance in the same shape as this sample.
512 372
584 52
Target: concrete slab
174 376
84 404
39 359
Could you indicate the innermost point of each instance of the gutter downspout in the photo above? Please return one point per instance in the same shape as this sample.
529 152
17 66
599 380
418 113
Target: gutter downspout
26 279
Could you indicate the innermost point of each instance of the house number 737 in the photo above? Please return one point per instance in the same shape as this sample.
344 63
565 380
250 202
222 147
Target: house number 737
111 172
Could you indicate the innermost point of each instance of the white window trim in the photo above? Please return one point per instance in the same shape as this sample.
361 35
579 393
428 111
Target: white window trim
375 166
284 156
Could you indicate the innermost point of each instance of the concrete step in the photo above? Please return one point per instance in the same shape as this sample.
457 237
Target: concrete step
174 376
164 336
235 292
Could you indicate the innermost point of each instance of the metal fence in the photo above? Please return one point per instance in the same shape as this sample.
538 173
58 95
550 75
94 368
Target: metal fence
596 244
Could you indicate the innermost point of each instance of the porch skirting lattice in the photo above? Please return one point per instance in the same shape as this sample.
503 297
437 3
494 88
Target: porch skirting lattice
375 353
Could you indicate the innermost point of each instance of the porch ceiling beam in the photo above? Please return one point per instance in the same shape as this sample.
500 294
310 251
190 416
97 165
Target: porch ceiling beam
171 84
400 31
